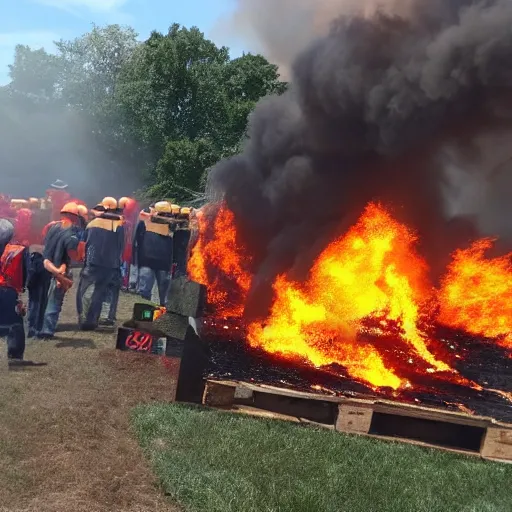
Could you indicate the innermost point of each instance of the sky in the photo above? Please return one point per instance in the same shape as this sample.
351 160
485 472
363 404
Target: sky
37 23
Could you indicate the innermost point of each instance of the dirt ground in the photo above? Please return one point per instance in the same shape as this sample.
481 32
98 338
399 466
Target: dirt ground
65 440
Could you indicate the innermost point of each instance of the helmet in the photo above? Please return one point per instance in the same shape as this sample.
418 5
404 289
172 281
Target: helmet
82 211
34 201
185 211
109 203
163 207
123 202
71 208
175 209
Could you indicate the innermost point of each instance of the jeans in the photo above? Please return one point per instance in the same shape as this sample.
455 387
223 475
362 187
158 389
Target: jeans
15 337
53 308
11 324
100 278
147 278
37 301
112 297
133 280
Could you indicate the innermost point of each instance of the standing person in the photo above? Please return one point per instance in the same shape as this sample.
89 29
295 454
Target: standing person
13 275
58 196
104 243
61 246
154 240
181 243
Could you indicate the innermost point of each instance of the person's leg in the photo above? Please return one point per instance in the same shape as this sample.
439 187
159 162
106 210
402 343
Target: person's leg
115 291
85 283
103 277
146 282
163 280
133 280
34 294
16 341
54 307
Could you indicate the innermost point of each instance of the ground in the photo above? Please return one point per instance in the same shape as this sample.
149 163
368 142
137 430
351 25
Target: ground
65 439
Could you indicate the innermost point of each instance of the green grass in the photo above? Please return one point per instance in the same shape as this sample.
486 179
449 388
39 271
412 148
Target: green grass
218 462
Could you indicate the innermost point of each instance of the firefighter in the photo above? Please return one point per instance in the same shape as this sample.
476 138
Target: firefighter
133 281
154 245
61 246
13 274
104 241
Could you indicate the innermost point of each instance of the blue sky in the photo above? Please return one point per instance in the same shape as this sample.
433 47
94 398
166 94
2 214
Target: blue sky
39 22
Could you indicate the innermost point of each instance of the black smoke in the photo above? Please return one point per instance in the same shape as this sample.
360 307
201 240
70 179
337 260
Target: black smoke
371 109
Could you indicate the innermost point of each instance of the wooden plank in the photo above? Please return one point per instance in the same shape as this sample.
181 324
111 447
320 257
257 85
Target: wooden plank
379 405
354 419
497 444
218 394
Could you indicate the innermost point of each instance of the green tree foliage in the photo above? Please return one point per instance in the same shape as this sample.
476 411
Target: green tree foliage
170 107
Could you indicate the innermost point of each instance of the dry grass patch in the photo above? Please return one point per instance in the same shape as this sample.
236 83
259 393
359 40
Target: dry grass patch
65 442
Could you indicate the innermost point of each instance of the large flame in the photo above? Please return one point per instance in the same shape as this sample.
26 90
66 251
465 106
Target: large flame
367 290
217 262
476 293
373 270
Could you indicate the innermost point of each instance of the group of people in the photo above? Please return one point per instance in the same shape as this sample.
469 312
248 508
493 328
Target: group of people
117 245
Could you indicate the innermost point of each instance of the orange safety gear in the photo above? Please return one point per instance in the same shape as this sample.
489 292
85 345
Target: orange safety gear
175 209
11 267
71 208
123 202
83 211
109 203
163 207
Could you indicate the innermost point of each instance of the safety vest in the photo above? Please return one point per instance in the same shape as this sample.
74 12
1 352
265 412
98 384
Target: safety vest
11 267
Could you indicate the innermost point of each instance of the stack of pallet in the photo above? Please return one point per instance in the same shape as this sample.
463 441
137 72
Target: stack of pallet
438 428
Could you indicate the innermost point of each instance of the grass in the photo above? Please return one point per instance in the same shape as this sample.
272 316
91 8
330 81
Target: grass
219 462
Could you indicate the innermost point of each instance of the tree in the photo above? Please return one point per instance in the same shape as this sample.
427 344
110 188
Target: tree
35 73
189 103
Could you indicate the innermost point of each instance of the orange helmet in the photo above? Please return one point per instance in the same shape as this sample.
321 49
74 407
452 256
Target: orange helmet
109 203
123 202
82 211
71 208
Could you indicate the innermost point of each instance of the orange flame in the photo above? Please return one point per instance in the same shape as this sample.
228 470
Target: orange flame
476 293
371 271
217 262
369 286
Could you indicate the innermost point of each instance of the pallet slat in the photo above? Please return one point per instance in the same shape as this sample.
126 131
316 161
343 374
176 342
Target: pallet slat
382 419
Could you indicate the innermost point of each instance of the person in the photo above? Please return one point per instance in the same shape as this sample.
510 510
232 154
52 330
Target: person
133 280
154 245
58 196
104 243
13 275
61 246
181 243
130 209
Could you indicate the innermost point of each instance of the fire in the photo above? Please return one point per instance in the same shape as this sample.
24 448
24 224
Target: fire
476 293
217 262
371 271
367 303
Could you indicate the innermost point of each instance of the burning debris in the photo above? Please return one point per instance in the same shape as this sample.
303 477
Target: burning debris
331 247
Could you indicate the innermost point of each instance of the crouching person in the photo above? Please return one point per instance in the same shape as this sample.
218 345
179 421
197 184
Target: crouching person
13 276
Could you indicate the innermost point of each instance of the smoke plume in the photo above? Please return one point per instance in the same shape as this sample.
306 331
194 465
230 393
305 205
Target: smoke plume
40 143
401 102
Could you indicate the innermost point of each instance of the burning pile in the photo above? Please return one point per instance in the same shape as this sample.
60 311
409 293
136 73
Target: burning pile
339 241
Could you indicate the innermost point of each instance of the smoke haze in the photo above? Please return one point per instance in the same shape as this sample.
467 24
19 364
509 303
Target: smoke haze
405 104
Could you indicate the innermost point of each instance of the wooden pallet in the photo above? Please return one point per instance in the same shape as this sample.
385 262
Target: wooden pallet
384 419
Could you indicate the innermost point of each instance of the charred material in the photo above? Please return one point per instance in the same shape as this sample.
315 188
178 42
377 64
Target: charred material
478 361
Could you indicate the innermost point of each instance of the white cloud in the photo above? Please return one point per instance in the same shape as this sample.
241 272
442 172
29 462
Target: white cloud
92 5
34 39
